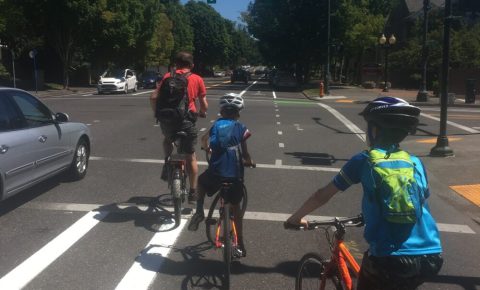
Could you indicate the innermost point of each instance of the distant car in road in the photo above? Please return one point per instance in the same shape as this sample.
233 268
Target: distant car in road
284 80
148 79
121 80
36 143
219 74
241 75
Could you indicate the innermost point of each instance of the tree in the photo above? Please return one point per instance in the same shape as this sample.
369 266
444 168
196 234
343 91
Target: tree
181 29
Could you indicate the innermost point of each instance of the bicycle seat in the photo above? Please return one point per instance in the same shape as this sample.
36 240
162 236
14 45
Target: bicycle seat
180 134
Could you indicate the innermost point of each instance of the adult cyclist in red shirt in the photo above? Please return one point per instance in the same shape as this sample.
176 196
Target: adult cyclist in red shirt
196 91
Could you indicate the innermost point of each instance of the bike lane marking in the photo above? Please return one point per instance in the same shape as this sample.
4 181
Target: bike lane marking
35 264
147 264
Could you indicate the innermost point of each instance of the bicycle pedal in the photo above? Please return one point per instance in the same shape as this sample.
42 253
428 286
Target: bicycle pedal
210 221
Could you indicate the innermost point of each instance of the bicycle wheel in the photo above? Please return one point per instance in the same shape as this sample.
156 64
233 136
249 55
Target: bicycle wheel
311 272
227 243
176 190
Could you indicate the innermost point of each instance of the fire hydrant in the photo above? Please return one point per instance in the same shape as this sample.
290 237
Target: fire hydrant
321 92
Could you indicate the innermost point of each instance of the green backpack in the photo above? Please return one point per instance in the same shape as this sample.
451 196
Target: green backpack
396 189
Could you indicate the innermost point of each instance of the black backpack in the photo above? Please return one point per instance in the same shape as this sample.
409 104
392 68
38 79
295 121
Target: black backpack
172 101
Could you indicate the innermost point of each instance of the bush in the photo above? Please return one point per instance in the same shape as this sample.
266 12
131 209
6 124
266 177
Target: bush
369 85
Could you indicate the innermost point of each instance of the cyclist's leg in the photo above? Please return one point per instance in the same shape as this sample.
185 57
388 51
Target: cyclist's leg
167 131
207 184
235 197
188 147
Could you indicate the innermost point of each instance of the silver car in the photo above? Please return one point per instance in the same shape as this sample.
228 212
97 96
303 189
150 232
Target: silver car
36 143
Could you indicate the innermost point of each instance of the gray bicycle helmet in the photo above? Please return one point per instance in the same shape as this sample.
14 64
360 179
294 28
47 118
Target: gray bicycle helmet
232 100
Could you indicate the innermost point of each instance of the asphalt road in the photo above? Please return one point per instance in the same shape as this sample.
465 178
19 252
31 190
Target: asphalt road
101 233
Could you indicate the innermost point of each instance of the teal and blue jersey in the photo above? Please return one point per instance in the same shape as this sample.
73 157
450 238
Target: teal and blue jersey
226 136
386 238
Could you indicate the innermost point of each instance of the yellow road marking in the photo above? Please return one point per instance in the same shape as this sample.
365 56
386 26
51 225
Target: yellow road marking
470 192
434 140
344 101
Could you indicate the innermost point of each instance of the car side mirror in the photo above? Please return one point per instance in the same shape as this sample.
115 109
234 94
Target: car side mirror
61 117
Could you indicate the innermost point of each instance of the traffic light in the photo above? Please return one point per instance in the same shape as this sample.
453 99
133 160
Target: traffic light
211 1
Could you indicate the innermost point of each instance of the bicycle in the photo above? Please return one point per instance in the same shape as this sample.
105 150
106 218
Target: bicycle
177 176
222 232
315 271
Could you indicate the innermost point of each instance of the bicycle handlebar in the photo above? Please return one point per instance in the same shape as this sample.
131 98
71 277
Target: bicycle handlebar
356 221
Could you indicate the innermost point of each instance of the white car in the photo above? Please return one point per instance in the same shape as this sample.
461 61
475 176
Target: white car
117 81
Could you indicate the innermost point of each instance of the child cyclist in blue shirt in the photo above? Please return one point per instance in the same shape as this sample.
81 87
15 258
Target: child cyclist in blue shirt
404 243
227 140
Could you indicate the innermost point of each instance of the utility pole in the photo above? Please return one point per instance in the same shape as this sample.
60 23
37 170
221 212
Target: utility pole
422 95
327 73
442 149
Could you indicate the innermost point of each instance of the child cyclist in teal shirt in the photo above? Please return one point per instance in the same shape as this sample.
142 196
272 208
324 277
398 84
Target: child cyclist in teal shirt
227 142
404 243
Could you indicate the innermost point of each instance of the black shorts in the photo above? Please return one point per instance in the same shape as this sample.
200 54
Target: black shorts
188 143
397 272
212 183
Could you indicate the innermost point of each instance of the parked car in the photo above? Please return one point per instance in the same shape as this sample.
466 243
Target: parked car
240 74
284 80
36 143
121 80
148 79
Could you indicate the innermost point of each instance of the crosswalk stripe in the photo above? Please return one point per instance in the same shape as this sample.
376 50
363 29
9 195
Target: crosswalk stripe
144 269
35 264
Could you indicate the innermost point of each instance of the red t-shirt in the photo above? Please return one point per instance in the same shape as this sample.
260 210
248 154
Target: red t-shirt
196 88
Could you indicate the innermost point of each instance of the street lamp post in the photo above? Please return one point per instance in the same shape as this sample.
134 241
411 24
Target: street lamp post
442 149
422 95
327 73
386 43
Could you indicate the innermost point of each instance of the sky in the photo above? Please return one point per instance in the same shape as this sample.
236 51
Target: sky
229 9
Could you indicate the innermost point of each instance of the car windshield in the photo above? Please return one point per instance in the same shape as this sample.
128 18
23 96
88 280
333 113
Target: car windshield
114 74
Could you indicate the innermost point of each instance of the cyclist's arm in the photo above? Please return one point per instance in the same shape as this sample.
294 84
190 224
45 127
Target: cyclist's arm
316 200
246 155
203 105
204 141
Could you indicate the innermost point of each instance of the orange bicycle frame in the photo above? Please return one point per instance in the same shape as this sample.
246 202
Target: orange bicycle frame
218 243
342 257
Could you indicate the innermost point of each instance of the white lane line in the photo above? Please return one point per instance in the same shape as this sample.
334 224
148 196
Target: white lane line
278 162
298 127
281 145
35 264
360 134
89 124
274 95
280 133
141 93
278 116
211 121
156 125
128 208
87 95
269 166
96 121
276 110
465 128
244 91
278 123
203 129
148 263
476 128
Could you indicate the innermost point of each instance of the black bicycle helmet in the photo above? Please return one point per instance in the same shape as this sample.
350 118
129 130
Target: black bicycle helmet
390 112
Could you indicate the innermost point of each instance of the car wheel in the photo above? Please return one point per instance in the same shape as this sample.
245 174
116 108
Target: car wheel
135 88
126 89
78 168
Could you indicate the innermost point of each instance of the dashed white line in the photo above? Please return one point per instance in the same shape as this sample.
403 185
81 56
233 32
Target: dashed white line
280 133
281 145
203 129
278 116
274 95
278 162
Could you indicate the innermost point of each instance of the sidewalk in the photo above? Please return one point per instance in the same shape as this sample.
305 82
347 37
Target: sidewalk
62 92
360 94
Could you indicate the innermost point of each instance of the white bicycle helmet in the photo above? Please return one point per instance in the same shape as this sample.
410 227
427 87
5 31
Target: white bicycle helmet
232 100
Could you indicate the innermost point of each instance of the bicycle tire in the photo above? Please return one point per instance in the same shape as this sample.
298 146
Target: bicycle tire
176 191
212 222
310 274
227 244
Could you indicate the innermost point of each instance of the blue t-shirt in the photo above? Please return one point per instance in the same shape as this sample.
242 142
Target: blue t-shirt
226 136
383 237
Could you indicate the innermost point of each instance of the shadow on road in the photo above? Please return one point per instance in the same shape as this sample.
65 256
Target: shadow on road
206 274
467 283
322 159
